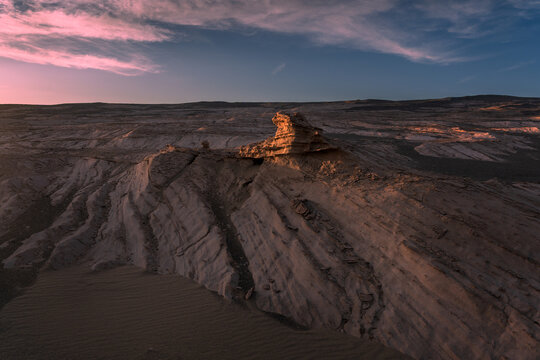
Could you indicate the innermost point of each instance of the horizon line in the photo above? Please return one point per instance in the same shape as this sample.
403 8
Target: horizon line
268 102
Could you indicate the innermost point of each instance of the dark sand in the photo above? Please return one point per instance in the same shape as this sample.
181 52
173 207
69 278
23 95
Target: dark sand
127 314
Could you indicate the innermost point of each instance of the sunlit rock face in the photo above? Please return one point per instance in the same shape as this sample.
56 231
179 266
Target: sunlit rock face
294 135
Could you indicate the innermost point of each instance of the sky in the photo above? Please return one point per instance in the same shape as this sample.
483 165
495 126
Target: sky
172 51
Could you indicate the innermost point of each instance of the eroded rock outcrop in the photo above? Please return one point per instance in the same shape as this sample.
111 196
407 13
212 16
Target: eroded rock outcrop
294 135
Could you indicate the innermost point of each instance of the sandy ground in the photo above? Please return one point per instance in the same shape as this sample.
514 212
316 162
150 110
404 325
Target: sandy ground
129 314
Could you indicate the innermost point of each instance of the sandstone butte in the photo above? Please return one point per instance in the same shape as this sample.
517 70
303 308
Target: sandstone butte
294 135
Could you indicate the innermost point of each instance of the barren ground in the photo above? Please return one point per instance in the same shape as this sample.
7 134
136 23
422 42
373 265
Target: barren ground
421 232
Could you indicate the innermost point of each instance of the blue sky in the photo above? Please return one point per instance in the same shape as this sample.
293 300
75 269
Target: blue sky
167 51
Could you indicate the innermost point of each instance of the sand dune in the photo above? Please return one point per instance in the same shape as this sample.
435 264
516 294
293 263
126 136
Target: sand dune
126 313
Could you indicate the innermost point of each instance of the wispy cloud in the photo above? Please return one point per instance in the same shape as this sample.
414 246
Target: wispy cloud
525 4
477 19
279 68
345 23
78 61
517 65
57 32
57 23
466 79
45 32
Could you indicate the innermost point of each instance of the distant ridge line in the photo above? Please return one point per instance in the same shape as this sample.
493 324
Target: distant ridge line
209 103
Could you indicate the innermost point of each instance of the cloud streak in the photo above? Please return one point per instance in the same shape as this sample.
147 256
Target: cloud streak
517 66
58 32
345 23
66 58
279 68
43 33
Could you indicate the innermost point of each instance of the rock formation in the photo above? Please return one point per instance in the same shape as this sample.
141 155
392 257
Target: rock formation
424 260
294 135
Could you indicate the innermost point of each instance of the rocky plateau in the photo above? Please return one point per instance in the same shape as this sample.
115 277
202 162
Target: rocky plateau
413 223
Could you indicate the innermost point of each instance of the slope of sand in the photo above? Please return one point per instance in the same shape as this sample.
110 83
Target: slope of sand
125 313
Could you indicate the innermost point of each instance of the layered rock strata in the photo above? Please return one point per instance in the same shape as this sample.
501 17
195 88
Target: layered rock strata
294 135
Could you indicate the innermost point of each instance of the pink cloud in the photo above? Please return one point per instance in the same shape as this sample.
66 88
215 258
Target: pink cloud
124 23
58 23
23 36
70 60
